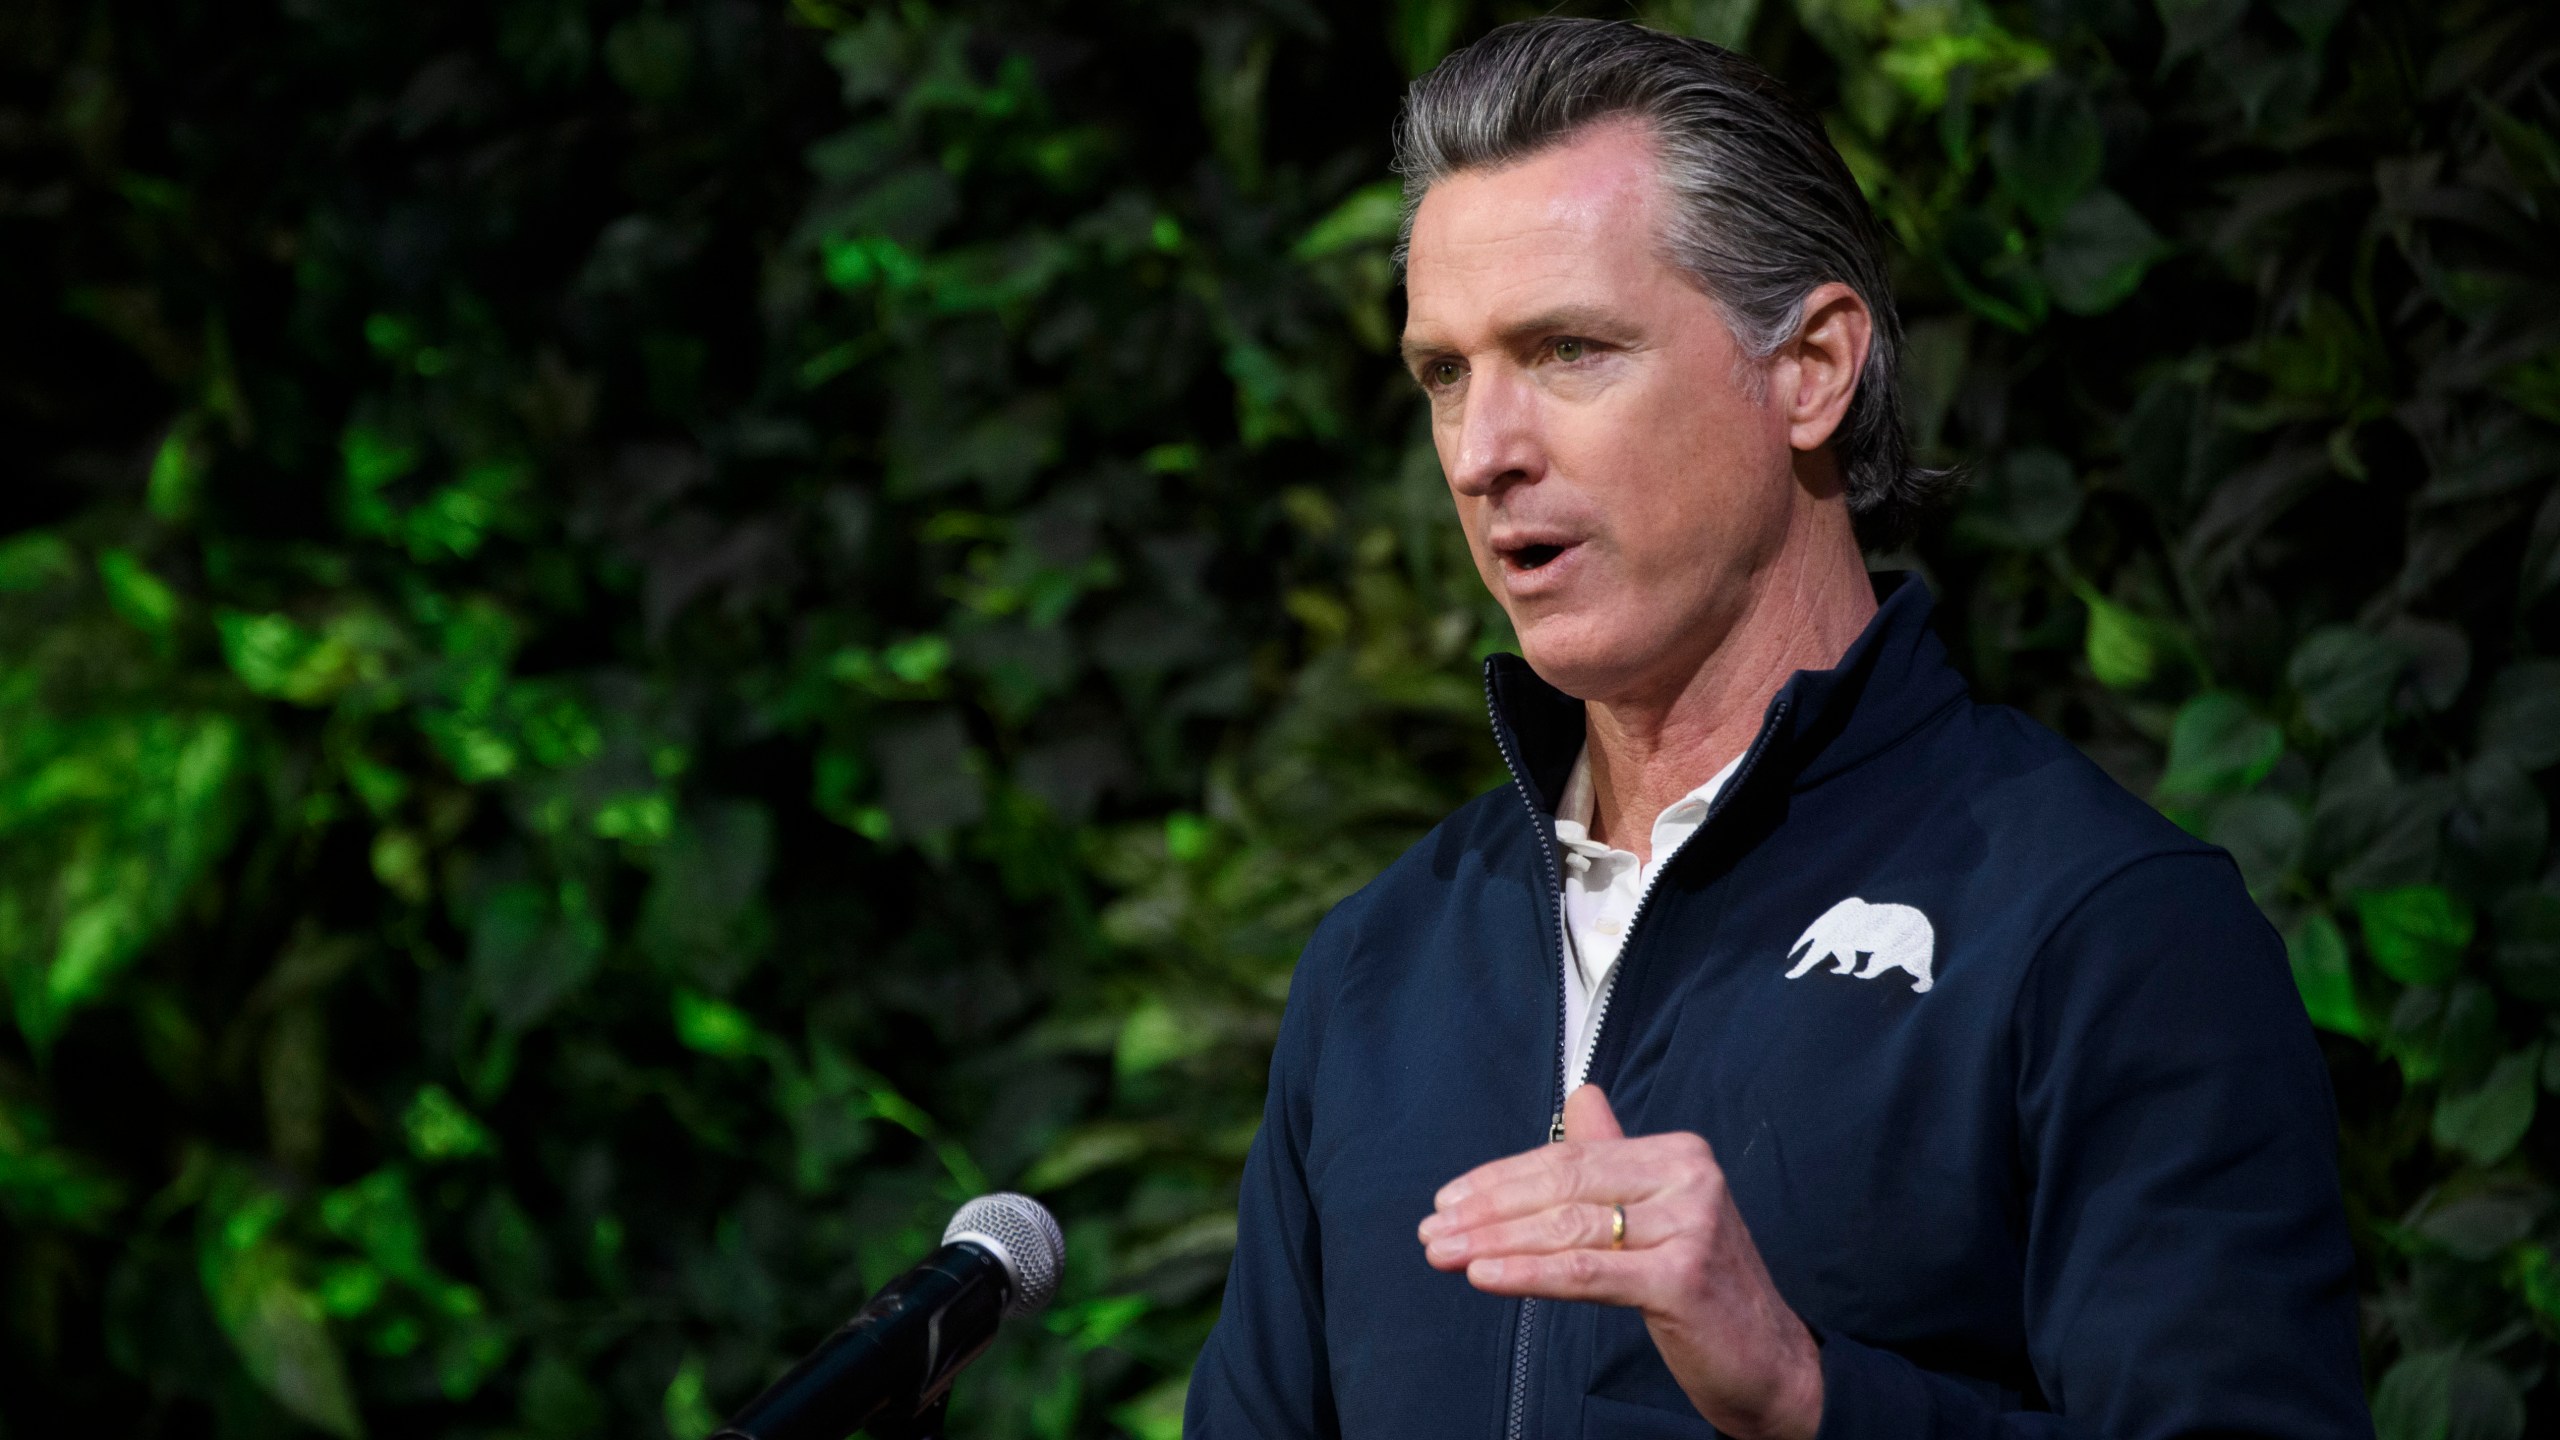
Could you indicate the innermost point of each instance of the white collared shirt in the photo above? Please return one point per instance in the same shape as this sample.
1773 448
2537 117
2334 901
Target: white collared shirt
1602 887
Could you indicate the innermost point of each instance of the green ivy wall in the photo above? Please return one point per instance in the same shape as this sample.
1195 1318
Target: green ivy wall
640 643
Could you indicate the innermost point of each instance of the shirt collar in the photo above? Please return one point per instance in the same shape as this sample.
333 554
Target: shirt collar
1575 809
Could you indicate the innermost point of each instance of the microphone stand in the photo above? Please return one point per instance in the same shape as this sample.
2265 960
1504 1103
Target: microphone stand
926 1425
889 1370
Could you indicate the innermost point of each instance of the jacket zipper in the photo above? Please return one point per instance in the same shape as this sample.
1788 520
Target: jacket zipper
1525 1325
1524 1331
1609 986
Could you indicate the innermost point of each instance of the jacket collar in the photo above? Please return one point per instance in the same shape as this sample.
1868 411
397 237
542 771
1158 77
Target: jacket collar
1894 677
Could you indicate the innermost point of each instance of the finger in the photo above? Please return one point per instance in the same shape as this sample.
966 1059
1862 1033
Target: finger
1608 1277
1587 1116
1575 1171
1549 1232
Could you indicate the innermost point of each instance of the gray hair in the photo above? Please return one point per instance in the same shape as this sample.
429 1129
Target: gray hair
1763 208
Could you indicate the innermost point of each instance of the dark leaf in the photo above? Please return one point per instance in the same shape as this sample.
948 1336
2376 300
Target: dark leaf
2345 678
2047 148
2264 835
2440 1395
2097 252
929 781
2521 716
2486 1123
2025 502
2481 1224
2527 926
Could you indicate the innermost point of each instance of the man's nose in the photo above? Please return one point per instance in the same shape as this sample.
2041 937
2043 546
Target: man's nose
1497 440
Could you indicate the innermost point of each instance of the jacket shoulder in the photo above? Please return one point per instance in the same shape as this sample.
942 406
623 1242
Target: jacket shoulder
1487 839
2021 780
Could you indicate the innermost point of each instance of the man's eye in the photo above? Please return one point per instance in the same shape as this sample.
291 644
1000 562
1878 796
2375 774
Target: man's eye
1442 373
1569 351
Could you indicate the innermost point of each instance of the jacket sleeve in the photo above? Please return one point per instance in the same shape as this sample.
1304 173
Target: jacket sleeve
2187 1261
1263 1375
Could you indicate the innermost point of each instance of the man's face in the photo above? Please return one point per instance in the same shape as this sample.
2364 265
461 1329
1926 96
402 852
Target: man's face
1619 468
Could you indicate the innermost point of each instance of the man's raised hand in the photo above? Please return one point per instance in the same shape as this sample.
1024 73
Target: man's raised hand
1541 1223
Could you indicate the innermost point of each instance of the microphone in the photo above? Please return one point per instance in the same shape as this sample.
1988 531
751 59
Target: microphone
892 1364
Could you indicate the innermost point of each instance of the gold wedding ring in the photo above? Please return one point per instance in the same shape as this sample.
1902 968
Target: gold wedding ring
1617 1227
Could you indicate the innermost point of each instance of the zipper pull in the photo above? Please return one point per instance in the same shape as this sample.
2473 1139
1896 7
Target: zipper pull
1555 1129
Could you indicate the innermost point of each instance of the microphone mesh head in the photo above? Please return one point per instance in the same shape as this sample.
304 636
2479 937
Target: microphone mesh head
1021 1233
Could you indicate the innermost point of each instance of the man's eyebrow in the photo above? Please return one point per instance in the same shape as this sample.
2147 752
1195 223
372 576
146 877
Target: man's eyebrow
1416 351
1596 321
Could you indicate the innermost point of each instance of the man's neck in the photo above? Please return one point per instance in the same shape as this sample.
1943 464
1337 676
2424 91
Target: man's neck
1649 748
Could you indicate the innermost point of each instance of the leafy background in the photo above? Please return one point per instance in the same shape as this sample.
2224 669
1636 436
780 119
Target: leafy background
640 643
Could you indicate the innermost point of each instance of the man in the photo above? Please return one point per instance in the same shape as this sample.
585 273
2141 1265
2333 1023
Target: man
1936 1086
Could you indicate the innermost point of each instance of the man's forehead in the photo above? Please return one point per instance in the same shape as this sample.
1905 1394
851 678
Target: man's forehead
1568 227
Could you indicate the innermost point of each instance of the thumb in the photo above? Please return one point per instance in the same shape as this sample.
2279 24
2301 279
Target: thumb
1587 1116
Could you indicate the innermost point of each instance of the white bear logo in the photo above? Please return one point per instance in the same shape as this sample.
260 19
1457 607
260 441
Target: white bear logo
1892 937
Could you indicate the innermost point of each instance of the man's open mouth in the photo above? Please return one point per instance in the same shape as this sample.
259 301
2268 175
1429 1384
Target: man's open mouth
1531 557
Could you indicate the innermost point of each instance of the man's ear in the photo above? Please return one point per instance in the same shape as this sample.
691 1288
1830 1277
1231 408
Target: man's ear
1819 368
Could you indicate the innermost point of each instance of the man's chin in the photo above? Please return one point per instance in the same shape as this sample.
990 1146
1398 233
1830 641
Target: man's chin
1583 665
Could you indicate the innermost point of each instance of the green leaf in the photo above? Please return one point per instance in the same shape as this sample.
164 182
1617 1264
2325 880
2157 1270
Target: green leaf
531 948
2521 717
1718 22
279 1327
2218 745
2537 1274
1986 263
378 1215
1422 31
713 1028
35 559
374 461
1940 50
1370 215
2436 1033
439 1128
44 1185
2416 933
1084 1152
2486 1124
142 598
2126 650
1155 1035
278 658
685 1408
177 474
2096 255
2326 977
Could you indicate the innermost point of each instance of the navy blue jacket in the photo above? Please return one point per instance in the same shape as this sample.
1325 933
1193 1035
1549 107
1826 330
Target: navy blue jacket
2082 1183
